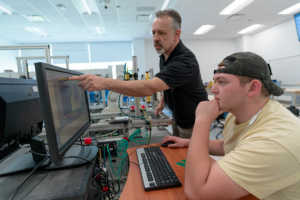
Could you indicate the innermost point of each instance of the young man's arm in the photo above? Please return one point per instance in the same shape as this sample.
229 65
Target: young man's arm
139 88
204 178
215 146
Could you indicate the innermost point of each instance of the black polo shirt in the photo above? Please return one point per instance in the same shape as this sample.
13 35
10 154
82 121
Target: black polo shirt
182 74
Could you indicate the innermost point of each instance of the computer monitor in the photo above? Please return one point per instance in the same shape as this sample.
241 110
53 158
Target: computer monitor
297 21
66 114
20 120
20 113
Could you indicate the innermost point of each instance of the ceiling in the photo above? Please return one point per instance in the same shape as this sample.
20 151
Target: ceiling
118 22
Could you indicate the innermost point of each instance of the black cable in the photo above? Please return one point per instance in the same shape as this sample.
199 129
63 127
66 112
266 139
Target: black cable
111 194
135 151
135 163
28 177
101 196
62 157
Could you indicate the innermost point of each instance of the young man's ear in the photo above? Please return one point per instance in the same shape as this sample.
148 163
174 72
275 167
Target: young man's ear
254 88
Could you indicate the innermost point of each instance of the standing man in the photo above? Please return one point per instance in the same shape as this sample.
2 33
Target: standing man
179 76
179 69
261 153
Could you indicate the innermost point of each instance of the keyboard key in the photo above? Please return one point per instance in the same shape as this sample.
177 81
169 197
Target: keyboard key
152 184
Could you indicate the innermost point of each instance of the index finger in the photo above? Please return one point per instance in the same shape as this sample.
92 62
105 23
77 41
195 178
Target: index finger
77 78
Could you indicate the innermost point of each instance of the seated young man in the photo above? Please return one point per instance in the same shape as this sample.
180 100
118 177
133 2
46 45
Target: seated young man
261 145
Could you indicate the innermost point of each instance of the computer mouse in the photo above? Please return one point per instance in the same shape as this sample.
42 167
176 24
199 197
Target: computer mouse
167 143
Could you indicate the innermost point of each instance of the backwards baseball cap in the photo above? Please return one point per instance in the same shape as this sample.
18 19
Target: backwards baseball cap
250 65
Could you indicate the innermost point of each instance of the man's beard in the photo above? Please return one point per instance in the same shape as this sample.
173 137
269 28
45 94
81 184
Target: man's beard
159 51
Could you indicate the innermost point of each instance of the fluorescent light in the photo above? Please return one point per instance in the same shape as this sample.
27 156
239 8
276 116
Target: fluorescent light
38 31
290 10
36 18
235 6
86 7
5 10
165 4
98 30
35 31
250 28
204 29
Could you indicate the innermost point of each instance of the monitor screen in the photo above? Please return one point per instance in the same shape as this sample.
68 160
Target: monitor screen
297 21
65 108
68 106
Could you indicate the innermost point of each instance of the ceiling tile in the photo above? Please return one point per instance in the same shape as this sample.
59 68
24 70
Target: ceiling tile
186 3
214 10
147 3
198 10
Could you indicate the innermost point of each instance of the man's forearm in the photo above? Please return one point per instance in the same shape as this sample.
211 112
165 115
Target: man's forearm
198 162
139 88
162 99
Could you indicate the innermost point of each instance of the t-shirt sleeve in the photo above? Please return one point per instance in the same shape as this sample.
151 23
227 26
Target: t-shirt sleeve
177 73
261 167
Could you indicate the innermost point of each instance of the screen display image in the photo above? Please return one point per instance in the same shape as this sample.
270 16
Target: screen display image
297 21
68 106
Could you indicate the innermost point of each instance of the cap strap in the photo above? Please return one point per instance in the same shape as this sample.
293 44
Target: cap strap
270 69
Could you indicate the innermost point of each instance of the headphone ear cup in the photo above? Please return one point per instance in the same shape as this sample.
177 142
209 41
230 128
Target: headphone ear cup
253 120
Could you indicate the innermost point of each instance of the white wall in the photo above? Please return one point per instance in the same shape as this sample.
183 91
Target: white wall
243 43
8 57
279 46
277 42
209 54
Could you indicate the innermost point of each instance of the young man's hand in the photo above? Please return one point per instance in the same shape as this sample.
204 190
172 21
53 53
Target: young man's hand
89 82
208 111
179 142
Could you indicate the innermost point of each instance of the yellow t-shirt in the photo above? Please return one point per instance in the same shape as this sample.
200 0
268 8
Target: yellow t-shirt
265 160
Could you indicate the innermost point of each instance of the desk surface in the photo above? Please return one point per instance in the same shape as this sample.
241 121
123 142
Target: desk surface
63 184
134 189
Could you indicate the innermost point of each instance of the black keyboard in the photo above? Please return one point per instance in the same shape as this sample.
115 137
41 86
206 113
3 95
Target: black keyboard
156 170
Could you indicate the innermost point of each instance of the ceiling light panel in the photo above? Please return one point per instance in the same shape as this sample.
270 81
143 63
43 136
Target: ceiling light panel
85 6
250 29
14 18
88 10
204 29
4 9
36 18
165 4
235 7
98 31
92 20
291 10
36 31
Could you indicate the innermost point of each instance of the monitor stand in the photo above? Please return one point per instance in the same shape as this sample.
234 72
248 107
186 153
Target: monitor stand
87 152
27 161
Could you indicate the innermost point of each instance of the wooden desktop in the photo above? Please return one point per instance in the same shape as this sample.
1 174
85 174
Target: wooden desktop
134 189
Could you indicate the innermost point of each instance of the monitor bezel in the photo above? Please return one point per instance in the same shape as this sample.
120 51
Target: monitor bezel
40 68
298 31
